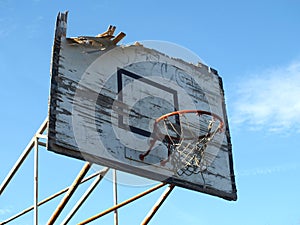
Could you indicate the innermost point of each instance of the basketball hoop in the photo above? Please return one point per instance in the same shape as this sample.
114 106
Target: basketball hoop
186 134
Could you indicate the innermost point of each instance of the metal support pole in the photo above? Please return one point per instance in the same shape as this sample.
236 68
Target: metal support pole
47 199
159 202
122 204
22 157
115 190
69 194
85 196
36 181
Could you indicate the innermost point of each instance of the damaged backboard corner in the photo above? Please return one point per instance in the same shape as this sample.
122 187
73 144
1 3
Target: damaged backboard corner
101 41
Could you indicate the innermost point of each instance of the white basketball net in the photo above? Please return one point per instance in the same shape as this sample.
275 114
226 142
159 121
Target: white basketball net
187 140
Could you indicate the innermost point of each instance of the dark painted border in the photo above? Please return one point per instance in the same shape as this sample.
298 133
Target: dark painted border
122 72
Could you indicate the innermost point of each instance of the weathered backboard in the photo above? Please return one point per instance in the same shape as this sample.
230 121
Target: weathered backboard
105 99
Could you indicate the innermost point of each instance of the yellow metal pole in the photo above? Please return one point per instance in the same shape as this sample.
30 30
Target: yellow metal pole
115 190
36 181
159 202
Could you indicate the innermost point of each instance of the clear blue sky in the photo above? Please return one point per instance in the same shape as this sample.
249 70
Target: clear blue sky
253 44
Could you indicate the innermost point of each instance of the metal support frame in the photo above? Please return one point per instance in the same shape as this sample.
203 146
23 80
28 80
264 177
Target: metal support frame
115 193
101 173
69 191
22 157
33 144
122 204
36 180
